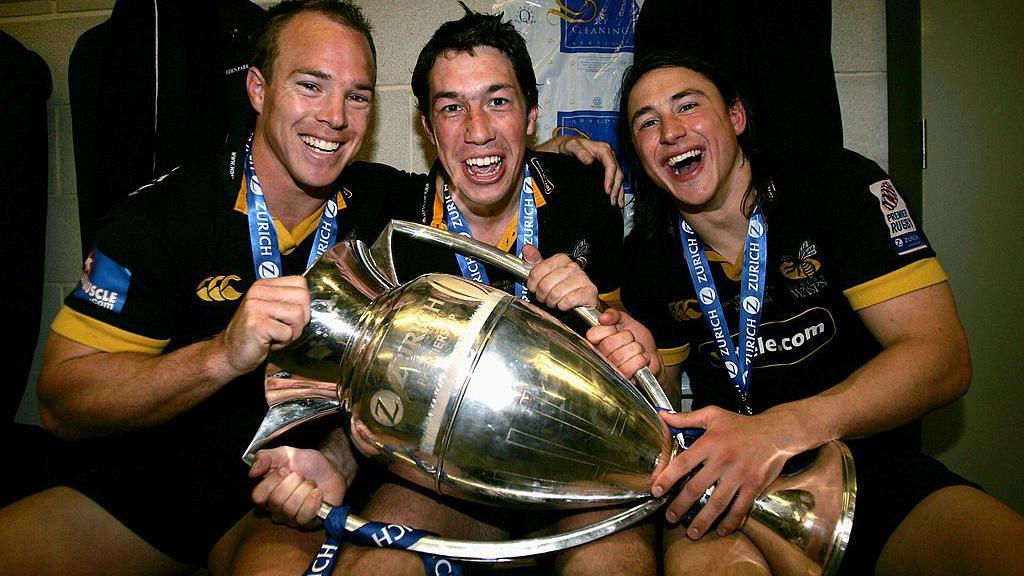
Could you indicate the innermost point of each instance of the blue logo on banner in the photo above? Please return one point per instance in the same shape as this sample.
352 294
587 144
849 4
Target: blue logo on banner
597 25
104 282
593 124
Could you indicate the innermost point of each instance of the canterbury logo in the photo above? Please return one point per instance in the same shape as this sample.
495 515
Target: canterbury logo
218 289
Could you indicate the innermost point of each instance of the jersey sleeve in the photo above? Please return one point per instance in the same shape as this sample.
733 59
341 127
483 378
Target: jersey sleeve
600 222
125 300
392 193
881 250
651 293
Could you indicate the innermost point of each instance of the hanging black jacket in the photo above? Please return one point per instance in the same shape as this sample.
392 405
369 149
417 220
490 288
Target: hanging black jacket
160 82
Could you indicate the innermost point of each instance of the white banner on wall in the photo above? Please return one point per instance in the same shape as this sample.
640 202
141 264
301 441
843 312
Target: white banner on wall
580 49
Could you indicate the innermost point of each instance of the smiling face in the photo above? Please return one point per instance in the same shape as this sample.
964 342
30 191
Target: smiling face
685 136
479 123
314 111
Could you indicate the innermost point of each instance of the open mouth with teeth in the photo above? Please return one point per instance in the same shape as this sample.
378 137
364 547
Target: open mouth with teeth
687 163
483 166
322 146
484 169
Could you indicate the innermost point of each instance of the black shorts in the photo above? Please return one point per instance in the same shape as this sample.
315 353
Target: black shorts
179 501
182 496
887 490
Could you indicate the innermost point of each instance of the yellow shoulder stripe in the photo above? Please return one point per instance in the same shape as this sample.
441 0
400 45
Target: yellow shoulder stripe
673 356
102 336
913 276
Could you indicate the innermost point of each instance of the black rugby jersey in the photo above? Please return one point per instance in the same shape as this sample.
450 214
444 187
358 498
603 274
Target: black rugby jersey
172 261
839 239
574 218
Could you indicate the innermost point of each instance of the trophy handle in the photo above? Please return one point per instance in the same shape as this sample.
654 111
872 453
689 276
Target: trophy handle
286 415
507 550
382 255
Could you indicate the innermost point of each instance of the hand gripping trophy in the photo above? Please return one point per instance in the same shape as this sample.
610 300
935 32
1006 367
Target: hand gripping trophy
473 393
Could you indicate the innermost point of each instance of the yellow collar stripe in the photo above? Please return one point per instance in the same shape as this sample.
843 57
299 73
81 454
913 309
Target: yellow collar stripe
287 240
508 237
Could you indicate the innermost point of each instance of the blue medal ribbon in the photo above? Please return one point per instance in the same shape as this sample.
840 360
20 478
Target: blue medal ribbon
266 254
752 288
374 534
526 233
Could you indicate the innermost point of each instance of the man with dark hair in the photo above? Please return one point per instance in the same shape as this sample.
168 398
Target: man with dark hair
847 329
477 95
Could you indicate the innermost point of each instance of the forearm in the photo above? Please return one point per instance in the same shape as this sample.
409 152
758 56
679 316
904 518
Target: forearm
669 379
553 144
925 364
98 393
337 448
901 384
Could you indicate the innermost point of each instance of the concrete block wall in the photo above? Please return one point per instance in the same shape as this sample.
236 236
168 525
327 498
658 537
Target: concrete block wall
51 27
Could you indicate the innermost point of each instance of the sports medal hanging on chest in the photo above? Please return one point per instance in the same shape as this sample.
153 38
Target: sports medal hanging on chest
266 253
738 363
526 231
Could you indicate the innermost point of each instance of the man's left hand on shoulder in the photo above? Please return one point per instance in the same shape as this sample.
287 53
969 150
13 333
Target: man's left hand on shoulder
587 151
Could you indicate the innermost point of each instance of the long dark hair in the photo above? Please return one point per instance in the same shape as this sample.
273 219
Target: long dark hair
653 208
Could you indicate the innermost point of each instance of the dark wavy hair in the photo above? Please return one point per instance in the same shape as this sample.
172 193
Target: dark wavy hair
343 12
461 37
653 209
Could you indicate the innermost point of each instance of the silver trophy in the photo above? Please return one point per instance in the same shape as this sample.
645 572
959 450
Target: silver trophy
470 392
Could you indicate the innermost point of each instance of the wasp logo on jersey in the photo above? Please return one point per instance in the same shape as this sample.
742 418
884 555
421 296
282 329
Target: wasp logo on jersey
803 265
804 271
581 253
104 282
684 310
218 289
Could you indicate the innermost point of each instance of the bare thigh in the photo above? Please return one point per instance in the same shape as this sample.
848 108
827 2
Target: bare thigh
257 546
61 531
955 530
396 504
629 551
711 555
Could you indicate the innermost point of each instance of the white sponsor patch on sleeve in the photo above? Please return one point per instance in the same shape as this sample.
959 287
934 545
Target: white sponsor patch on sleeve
903 231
